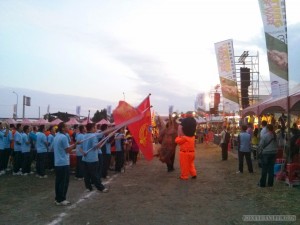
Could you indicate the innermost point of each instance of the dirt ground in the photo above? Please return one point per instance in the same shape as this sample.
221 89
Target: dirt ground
147 194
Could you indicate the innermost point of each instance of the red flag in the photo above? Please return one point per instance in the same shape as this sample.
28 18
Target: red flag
141 130
124 112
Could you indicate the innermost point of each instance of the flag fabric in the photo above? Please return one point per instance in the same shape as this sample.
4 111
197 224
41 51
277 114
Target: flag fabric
273 15
78 109
124 112
227 73
141 130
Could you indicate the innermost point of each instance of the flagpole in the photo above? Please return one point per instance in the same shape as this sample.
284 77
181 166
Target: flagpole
144 100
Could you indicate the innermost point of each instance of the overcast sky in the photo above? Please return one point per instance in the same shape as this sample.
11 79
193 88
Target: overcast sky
113 49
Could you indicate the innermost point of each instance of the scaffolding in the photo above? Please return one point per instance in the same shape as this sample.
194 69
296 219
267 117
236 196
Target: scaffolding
251 62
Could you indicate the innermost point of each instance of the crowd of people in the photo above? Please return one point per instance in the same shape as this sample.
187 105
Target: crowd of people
103 148
26 150
263 144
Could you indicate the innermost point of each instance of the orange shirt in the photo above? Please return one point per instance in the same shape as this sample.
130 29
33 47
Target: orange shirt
186 144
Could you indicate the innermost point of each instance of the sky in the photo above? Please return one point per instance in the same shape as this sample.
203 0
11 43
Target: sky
125 49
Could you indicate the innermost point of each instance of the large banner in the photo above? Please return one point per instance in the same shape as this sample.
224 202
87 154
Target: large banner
273 15
227 73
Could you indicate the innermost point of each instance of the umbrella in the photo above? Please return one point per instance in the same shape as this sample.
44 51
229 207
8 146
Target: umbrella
56 121
72 121
103 121
41 122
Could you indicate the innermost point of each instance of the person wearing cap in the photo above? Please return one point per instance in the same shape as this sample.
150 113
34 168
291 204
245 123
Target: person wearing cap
186 142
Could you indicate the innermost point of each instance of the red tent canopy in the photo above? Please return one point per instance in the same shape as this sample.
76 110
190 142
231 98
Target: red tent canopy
86 121
10 121
26 122
103 121
278 104
41 122
56 121
72 121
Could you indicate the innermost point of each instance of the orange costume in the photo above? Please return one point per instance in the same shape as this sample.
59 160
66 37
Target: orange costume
186 142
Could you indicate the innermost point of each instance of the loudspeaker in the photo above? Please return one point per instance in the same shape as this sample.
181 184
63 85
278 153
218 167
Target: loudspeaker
245 83
245 77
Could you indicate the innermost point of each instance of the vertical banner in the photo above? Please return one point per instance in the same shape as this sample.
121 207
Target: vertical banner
15 111
273 15
200 101
108 110
226 66
171 109
78 109
27 100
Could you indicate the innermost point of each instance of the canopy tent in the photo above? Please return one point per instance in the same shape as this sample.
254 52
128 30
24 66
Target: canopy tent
200 120
103 121
86 121
41 121
10 121
56 122
72 121
26 121
278 104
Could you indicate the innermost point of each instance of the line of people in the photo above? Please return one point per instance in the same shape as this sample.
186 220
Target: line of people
51 149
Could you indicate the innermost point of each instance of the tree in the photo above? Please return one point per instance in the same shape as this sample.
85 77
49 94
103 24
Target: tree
99 115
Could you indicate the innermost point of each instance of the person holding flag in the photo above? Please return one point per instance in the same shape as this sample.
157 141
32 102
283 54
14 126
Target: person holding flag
90 159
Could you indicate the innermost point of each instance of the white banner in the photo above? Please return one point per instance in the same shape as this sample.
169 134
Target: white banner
171 109
273 15
226 66
200 101
109 110
78 109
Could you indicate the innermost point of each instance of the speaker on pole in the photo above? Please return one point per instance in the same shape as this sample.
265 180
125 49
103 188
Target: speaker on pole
216 100
245 83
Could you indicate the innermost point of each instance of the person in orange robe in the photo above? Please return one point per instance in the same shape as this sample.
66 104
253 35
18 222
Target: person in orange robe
186 142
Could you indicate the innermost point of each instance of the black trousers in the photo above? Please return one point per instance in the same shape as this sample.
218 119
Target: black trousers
61 182
79 167
17 161
134 156
106 163
26 162
91 175
50 160
4 156
246 155
267 170
119 161
41 163
224 147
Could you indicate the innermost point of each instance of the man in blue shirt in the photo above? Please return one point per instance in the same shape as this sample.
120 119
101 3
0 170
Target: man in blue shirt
41 148
91 161
62 164
17 150
244 149
4 135
25 146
